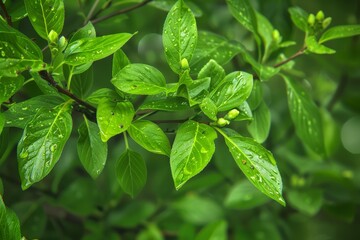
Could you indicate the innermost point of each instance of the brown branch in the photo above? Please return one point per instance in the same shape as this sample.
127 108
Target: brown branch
47 77
297 54
122 11
7 16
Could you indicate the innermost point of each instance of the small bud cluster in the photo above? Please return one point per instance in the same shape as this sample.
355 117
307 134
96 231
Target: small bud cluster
231 115
318 22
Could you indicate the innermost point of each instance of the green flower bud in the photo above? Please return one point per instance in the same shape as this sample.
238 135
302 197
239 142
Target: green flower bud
326 22
232 114
221 122
62 42
184 64
276 35
311 19
53 36
320 16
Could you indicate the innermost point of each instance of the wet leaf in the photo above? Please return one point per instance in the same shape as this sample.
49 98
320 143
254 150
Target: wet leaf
340 32
192 150
103 94
214 71
315 47
165 103
9 222
209 108
9 86
299 17
259 127
244 13
82 83
120 60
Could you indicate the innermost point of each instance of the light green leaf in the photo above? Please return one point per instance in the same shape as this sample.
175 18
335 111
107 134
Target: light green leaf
299 17
9 222
103 94
193 90
244 13
120 60
91 150
87 31
259 127
232 91
245 112
131 172
165 103
42 143
9 86
213 231
179 35
340 32
315 47
86 50
305 115
257 163
113 118
46 15
213 46
192 150
308 201
213 70
17 52
209 108
19 114
150 136
139 79
82 83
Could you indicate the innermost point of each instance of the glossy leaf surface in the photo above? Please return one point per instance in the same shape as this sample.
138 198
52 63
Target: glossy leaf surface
213 70
9 86
10 225
259 127
244 13
340 32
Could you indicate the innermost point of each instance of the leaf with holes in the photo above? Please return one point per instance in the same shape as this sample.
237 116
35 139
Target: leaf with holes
192 150
46 15
91 150
257 163
113 118
150 136
131 172
179 35
42 143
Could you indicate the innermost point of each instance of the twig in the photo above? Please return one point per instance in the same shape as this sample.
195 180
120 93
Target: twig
122 11
47 76
339 91
91 12
297 54
7 16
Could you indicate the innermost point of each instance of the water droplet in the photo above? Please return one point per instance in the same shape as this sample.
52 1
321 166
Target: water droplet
53 147
24 154
89 32
203 150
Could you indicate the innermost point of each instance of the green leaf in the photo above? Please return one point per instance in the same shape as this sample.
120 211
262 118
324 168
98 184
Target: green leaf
44 86
82 83
103 94
315 47
244 195
192 150
9 222
16 10
259 127
340 32
257 163
232 91
114 118
245 112
213 231
305 115
209 108
131 172
299 17
256 96
150 136
193 90
91 150
9 86
19 114
120 60
87 31
308 201
213 70
2 122
46 15
17 52
42 143
166 5
139 79
165 103
213 46
86 50
179 35
244 13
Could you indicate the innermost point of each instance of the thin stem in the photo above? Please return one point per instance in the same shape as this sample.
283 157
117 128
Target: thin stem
47 77
91 12
122 11
297 54
7 16
126 141
70 77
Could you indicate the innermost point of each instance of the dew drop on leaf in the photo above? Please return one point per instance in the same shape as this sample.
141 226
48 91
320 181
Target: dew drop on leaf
53 147
24 154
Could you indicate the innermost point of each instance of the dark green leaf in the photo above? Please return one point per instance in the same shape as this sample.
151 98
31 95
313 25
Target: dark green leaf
139 79
103 94
81 83
315 47
42 143
16 10
46 15
259 127
213 231
113 118
299 17
305 115
165 103
131 172
2 122
91 150
192 150
120 60
257 163
340 32
86 50
19 114
9 86
193 90
166 5
150 136
232 91
179 35
213 70
43 85
10 225
306 201
244 13
256 96
209 108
